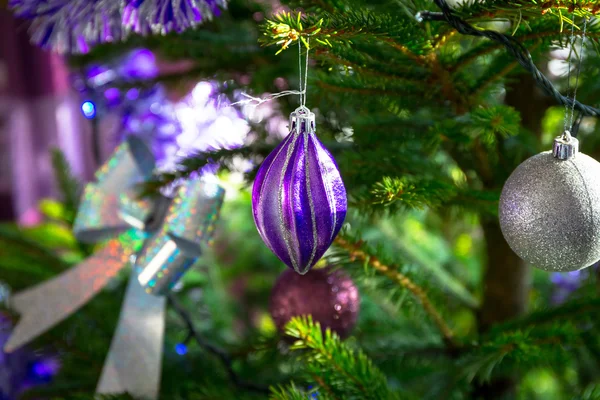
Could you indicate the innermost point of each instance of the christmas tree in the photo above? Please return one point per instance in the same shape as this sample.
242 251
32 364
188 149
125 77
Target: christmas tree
427 108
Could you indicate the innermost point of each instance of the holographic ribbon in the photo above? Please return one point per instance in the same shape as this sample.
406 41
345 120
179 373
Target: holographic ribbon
167 233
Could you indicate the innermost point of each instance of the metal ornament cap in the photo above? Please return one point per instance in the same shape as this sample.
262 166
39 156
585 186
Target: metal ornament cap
565 146
550 211
298 199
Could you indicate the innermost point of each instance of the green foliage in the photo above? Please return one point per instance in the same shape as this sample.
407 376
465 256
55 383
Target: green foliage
493 123
560 10
67 183
337 369
590 393
291 392
417 195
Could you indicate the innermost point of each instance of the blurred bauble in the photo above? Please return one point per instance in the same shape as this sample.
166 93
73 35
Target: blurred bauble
328 295
550 210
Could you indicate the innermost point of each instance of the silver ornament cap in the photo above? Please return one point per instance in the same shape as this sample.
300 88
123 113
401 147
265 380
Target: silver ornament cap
550 209
565 146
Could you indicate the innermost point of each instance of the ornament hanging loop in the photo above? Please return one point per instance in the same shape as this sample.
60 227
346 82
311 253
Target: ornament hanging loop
303 78
303 119
565 146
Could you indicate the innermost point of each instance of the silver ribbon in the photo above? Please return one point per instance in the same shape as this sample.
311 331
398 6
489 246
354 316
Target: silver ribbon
133 364
172 232
45 305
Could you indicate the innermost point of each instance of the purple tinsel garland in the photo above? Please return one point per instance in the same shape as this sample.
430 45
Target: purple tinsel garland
74 26
23 368
163 16
201 122
144 112
71 25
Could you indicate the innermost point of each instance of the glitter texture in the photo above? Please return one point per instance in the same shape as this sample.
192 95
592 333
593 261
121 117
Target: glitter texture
132 162
175 247
98 216
329 296
550 212
133 209
299 200
45 305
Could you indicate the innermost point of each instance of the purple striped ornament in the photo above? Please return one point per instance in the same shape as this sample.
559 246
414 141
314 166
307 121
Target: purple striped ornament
299 200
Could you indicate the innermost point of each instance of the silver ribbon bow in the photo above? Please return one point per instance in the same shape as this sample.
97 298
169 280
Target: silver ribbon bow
172 231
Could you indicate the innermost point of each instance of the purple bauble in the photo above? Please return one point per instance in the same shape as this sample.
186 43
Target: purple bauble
139 64
299 200
328 295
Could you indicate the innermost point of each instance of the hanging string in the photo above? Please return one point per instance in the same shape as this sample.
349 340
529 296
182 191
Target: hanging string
514 47
576 124
302 101
257 101
304 90
580 55
303 84
568 124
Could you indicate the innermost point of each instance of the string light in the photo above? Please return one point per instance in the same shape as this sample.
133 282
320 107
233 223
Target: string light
181 349
88 109
513 46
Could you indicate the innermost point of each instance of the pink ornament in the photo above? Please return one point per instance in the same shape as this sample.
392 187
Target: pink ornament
329 296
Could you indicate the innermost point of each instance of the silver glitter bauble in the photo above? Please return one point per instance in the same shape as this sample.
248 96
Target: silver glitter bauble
550 210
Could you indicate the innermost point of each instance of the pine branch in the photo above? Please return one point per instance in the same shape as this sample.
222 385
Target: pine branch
285 29
291 392
368 67
494 9
542 33
410 193
592 392
515 48
347 373
355 252
18 243
492 77
196 162
67 183
224 357
523 349
571 311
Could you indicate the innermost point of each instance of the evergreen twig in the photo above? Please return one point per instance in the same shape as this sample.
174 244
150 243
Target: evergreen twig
355 252
221 354
342 372
514 47
67 183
